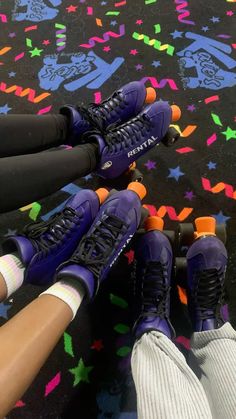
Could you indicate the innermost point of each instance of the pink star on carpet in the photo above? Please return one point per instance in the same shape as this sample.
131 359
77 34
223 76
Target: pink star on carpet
20 403
150 165
139 67
107 49
139 22
98 345
46 42
71 8
230 13
130 256
133 52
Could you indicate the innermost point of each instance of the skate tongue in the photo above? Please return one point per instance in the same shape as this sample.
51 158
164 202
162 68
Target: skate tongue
115 222
95 248
95 116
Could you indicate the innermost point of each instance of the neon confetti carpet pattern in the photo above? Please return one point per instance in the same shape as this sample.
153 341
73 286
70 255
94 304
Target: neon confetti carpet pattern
62 51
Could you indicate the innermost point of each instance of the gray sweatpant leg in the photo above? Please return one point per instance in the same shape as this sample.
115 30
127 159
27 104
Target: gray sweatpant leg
214 357
166 386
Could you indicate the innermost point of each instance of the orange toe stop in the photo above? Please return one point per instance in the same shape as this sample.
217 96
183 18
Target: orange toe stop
182 295
176 113
102 194
139 188
205 225
150 95
154 223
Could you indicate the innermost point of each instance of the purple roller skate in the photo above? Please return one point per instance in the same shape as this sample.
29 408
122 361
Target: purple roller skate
207 261
43 246
153 257
120 147
123 104
111 231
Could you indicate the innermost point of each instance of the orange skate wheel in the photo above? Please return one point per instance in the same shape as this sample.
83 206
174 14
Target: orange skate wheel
139 188
176 113
102 194
150 95
154 223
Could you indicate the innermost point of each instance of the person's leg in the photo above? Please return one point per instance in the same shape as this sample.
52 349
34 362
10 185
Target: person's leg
213 344
3 288
166 387
11 275
25 134
33 256
25 179
125 103
214 353
29 337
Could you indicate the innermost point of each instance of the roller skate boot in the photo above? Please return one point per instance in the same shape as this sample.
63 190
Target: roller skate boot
43 246
206 266
153 257
123 104
121 146
111 231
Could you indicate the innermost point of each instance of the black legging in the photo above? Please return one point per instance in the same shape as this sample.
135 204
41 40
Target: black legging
34 173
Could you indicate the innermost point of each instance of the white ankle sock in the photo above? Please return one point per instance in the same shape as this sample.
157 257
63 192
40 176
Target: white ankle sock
12 270
69 291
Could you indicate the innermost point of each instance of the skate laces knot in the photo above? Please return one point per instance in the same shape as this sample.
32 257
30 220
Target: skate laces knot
129 133
95 249
209 292
99 115
154 290
46 234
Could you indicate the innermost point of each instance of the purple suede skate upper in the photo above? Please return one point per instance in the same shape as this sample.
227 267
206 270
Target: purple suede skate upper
207 261
112 229
153 278
46 245
123 104
126 143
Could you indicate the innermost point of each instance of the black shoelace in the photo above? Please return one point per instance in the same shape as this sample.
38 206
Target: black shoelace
209 292
108 106
128 134
99 114
116 136
46 234
154 291
95 249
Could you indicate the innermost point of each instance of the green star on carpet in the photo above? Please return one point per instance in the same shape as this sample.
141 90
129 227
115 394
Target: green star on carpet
229 133
36 52
80 373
